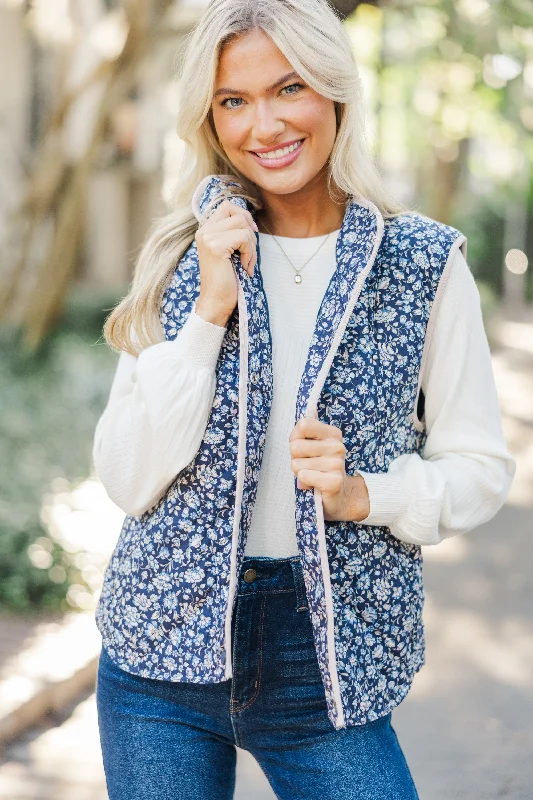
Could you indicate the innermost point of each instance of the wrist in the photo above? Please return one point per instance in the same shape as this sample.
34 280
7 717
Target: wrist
210 312
358 499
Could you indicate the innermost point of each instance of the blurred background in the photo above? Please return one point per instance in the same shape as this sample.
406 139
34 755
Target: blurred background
88 157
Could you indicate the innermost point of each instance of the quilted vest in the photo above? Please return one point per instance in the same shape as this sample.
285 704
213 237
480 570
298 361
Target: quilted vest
169 589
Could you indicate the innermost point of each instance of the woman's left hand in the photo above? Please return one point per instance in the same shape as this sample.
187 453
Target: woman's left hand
318 460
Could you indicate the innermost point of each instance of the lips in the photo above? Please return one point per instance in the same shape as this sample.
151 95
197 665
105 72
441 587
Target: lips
279 152
275 158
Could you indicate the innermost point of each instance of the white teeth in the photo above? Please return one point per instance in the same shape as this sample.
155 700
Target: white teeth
279 153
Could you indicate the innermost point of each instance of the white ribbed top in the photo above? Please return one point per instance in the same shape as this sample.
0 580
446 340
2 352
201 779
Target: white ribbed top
293 309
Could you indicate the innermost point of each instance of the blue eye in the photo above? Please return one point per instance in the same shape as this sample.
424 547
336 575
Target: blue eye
236 102
296 86
229 100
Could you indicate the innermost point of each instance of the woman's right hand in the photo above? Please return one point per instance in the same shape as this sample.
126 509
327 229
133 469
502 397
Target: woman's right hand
229 228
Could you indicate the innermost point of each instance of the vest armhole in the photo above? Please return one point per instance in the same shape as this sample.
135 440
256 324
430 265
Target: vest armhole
420 409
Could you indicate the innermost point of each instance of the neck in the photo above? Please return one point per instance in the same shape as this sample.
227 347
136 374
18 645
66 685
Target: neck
308 212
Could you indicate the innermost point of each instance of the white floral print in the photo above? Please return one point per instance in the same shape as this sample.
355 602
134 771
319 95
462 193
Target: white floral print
164 602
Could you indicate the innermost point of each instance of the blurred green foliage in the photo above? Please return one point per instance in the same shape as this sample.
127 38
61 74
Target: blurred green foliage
49 406
451 91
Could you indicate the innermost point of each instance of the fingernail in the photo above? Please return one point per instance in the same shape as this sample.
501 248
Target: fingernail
256 229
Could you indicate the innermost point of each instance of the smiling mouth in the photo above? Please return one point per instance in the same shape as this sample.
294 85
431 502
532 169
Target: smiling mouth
273 155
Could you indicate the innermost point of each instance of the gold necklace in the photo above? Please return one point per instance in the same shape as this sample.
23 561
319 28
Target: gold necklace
297 277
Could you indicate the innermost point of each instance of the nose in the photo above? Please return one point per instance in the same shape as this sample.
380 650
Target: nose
266 124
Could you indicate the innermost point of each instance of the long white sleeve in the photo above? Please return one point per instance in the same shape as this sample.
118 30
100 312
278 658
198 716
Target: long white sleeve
465 470
160 403
156 415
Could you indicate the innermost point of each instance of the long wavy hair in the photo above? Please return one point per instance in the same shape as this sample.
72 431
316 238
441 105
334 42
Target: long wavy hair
314 41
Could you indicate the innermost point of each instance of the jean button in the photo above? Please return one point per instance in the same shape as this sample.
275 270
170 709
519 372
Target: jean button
250 575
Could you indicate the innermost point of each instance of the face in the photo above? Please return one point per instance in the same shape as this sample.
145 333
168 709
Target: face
272 126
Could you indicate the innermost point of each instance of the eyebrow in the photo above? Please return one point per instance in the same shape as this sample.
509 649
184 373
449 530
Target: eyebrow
269 88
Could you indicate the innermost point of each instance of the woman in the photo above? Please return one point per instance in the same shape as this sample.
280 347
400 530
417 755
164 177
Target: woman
322 405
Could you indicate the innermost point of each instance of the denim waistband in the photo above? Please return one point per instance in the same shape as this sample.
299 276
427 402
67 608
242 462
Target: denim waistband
270 575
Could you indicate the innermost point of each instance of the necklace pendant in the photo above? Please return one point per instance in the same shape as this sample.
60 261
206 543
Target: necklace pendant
297 279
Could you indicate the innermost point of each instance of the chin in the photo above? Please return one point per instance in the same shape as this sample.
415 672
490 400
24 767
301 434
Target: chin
281 184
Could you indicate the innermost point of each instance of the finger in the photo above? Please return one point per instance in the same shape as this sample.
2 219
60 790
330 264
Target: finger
219 213
324 481
226 210
310 428
320 464
245 243
307 448
234 222
237 223
248 249
230 209
227 242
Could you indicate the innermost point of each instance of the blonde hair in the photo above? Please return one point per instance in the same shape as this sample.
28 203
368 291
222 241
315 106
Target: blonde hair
314 41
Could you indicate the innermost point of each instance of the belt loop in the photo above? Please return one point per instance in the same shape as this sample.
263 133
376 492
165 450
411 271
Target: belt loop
299 584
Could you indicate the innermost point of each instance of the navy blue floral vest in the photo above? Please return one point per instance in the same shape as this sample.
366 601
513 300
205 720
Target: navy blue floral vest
169 589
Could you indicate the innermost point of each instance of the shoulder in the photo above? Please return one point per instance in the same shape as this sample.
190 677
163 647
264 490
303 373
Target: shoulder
421 247
417 229
458 290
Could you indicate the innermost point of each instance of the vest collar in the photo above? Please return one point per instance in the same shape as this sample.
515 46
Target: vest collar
357 245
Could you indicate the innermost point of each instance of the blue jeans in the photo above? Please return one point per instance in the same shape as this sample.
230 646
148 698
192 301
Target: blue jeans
176 741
